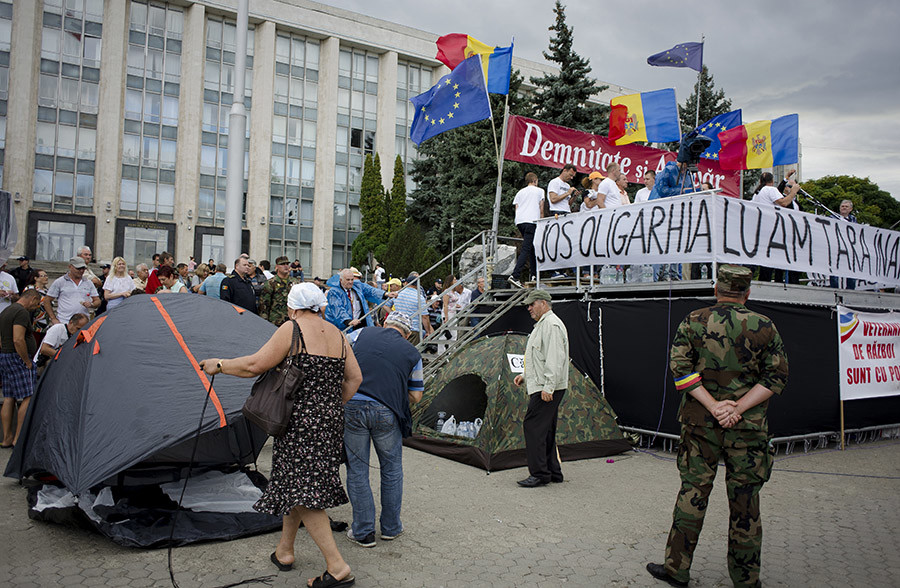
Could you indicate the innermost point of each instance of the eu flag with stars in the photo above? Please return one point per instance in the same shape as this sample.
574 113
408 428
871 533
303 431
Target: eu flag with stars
716 125
459 98
681 55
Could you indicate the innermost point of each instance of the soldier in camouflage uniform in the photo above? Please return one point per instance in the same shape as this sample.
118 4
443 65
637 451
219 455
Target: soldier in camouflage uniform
273 298
727 361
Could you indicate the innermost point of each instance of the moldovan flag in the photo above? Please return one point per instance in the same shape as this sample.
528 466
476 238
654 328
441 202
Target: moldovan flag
649 116
455 48
764 143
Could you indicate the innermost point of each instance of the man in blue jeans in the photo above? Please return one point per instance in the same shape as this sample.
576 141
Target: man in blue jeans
379 414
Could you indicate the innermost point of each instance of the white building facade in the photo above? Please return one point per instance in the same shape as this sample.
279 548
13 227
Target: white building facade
114 124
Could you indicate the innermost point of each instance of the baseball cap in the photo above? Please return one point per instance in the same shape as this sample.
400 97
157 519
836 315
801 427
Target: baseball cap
356 273
282 260
77 263
536 295
24 258
733 278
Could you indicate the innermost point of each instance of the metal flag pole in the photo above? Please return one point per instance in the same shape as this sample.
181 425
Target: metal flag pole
237 125
699 76
495 223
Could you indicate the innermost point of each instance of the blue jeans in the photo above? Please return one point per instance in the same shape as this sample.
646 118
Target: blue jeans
364 421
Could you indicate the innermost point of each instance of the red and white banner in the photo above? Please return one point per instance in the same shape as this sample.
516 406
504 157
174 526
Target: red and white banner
544 144
868 346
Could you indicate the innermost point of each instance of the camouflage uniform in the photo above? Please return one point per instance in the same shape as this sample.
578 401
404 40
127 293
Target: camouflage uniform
273 299
727 349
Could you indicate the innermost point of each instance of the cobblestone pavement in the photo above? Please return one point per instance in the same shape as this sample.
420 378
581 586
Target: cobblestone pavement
831 518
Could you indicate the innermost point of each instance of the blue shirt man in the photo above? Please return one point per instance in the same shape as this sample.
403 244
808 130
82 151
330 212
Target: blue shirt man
669 181
348 298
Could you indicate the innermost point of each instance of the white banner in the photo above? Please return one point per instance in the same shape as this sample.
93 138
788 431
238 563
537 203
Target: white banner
868 344
706 227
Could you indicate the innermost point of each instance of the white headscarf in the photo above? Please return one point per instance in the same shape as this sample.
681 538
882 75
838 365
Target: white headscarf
306 296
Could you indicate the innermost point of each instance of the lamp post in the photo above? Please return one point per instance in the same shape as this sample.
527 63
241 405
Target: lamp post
452 226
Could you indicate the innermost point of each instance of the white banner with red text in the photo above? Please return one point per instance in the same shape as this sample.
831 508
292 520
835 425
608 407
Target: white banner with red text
544 144
707 227
867 353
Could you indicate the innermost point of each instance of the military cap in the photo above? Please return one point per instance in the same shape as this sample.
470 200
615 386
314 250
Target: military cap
535 295
733 278
283 260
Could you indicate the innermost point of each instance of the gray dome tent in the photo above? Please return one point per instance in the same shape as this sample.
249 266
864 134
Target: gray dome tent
120 405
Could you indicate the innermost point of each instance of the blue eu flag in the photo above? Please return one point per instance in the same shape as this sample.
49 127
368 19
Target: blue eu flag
716 125
458 99
681 55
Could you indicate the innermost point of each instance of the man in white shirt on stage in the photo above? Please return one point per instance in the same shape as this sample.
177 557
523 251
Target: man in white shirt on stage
608 191
644 193
528 203
560 193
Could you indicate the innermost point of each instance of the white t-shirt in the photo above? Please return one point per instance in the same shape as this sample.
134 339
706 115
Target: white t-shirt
54 337
584 208
559 187
117 285
642 195
528 204
379 274
608 189
769 194
8 283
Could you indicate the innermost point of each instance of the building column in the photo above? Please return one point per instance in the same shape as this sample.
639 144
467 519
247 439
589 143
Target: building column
108 162
387 115
21 113
260 178
326 135
190 116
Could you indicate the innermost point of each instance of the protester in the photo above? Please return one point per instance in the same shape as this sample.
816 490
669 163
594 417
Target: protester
40 321
184 275
8 288
546 379
17 347
201 272
22 273
56 336
477 293
643 195
274 295
140 280
608 192
306 459
727 361
119 285
171 284
212 285
297 269
237 287
320 283
84 252
559 193
846 214
528 203
767 193
347 303
455 298
72 293
411 302
265 266
590 200
257 278
622 184
379 414
153 283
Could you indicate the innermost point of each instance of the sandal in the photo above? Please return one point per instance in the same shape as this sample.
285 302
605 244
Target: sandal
282 567
326 580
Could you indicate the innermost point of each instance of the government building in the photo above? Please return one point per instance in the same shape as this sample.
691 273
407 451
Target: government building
114 124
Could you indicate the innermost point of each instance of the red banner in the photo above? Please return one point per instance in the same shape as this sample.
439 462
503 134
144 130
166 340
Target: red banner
540 143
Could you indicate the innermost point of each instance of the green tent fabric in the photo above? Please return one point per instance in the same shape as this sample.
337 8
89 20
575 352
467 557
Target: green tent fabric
477 383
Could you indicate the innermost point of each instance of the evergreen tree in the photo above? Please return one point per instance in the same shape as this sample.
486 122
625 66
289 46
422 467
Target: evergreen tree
375 230
396 208
562 98
408 251
712 102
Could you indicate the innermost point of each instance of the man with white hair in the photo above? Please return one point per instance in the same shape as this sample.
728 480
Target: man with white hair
379 414
84 252
140 278
349 301
74 293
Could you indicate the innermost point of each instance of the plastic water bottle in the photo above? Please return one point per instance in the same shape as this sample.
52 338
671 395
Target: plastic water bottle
619 275
629 274
442 417
703 272
647 272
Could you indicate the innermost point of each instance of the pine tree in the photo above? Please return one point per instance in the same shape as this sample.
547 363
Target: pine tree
712 102
562 98
396 208
374 220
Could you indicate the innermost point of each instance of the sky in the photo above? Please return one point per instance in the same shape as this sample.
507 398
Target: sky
834 62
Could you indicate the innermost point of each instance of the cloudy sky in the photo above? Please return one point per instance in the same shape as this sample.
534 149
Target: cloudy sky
833 62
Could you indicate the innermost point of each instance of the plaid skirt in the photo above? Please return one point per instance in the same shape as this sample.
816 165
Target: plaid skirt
18 381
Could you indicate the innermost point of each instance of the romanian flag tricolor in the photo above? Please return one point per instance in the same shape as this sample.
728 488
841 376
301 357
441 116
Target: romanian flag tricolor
648 116
687 381
759 144
455 48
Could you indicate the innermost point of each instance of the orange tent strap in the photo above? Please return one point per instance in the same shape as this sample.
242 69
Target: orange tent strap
58 351
96 347
86 335
239 309
200 373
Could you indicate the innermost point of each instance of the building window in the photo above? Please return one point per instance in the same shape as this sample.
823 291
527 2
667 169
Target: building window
58 241
5 39
218 95
293 160
356 124
412 80
141 243
68 103
153 81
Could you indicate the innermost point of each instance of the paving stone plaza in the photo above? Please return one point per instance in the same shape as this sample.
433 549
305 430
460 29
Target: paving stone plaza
830 519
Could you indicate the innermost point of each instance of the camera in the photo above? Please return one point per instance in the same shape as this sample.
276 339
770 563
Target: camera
692 147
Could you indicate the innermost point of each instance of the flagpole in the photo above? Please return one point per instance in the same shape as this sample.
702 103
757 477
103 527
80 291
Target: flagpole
699 75
495 224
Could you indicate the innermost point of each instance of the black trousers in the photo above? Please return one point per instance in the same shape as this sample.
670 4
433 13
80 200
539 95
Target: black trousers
527 252
540 436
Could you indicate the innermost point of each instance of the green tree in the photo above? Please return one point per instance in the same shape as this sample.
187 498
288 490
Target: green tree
375 227
871 204
712 102
562 98
396 203
408 251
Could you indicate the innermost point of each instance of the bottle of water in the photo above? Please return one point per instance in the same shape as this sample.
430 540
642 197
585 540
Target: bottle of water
442 417
647 271
703 272
619 275
629 275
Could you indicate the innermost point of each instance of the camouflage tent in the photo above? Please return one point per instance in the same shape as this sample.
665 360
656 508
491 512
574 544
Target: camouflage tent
477 383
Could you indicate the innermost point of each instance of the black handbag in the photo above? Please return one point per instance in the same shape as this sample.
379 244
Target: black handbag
272 396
